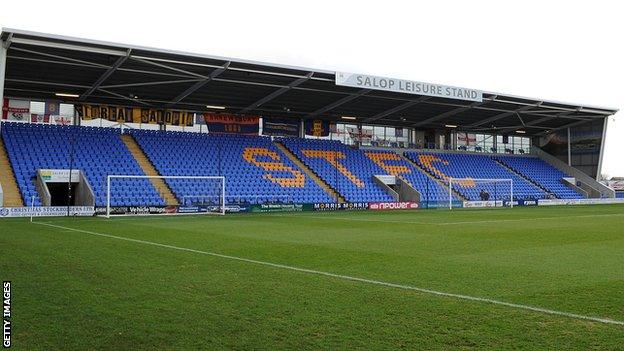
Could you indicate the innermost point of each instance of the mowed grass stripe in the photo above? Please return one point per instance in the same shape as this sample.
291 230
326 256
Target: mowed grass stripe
350 278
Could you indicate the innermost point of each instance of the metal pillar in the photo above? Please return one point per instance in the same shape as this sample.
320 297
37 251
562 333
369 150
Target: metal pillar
602 145
3 56
569 149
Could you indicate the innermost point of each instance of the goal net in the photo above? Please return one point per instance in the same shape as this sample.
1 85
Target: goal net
141 195
481 192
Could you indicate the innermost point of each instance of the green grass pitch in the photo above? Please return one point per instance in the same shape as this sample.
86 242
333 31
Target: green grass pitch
75 290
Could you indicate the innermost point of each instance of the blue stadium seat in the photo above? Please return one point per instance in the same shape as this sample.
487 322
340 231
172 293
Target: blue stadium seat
348 171
541 172
256 171
459 165
98 152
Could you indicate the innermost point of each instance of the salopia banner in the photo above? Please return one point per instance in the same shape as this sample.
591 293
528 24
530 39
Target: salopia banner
123 114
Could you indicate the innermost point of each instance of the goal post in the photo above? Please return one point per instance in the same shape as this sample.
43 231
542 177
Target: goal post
123 191
492 191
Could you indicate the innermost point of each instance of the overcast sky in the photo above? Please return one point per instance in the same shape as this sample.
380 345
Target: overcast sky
571 51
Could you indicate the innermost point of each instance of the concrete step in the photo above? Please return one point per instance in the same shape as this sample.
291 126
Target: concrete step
328 189
510 169
11 193
149 169
439 181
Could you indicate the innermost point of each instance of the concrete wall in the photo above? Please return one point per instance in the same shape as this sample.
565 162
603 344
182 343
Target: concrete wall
84 193
407 192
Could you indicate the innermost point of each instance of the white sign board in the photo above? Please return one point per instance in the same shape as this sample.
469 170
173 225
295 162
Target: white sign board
59 175
49 211
407 86
483 204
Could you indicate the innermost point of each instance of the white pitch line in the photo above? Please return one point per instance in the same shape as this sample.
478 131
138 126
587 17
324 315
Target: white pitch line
533 219
445 223
350 278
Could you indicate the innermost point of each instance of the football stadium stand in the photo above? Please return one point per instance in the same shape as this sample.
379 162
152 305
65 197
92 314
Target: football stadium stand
255 170
619 194
346 170
445 166
98 152
542 174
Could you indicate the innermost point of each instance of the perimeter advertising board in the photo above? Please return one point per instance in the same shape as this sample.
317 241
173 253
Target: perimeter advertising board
381 206
46 211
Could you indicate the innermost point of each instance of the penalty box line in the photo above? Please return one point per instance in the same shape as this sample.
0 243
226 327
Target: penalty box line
350 278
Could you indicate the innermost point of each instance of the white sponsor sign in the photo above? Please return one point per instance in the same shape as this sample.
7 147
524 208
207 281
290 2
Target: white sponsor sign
387 179
483 204
59 175
407 86
49 211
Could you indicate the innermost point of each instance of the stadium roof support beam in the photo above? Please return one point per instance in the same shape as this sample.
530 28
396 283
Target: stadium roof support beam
38 82
278 92
69 63
193 88
567 109
502 115
150 83
447 114
335 104
239 69
124 97
70 59
77 64
396 109
179 70
569 125
120 61
535 124
67 46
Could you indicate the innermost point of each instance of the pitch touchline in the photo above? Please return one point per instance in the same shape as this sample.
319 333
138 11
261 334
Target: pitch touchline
445 223
350 278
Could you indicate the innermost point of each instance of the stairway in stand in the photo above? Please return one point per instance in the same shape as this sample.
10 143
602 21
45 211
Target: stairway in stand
12 196
149 169
521 175
328 189
439 181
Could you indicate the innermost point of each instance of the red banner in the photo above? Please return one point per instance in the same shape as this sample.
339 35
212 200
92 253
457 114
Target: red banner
229 123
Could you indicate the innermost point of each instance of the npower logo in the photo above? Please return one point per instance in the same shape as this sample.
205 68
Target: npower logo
393 205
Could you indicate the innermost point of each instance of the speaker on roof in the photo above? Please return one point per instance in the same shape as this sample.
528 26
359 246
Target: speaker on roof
505 138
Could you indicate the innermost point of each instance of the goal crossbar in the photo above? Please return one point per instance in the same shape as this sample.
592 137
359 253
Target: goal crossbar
109 178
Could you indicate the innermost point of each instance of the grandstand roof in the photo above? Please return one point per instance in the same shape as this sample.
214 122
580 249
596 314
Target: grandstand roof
40 65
